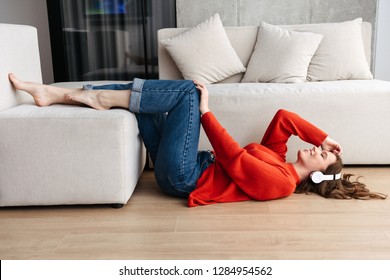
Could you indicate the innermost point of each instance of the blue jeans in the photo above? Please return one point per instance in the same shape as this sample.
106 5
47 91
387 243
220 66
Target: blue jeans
169 122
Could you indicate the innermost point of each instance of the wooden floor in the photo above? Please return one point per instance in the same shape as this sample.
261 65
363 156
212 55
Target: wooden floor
154 226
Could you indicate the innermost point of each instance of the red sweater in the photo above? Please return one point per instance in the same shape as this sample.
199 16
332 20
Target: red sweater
257 171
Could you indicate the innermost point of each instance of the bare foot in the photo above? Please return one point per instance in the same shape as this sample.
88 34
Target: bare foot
101 99
93 98
44 95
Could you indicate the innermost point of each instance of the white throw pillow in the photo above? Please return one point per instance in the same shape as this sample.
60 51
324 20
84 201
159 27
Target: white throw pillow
340 56
281 56
204 53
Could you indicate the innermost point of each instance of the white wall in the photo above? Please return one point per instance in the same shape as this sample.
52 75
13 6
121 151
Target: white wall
382 51
252 12
31 12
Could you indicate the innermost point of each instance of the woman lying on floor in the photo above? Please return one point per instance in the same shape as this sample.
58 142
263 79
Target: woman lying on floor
169 115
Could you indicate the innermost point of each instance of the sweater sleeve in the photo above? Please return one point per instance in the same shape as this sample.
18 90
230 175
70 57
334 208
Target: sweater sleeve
225 147
283 125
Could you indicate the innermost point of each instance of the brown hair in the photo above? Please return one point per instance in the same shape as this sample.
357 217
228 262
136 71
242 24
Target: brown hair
344 188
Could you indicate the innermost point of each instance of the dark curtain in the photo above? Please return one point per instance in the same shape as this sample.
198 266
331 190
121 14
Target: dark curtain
113 39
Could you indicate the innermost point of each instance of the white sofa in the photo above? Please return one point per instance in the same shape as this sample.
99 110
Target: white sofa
60 154
354 112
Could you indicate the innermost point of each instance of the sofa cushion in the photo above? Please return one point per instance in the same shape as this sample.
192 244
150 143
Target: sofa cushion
204 52
281 56
341 55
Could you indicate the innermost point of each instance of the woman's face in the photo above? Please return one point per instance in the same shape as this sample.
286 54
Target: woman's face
316 159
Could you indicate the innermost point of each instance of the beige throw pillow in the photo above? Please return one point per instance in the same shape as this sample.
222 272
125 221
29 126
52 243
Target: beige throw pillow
340 56
204 53
281 56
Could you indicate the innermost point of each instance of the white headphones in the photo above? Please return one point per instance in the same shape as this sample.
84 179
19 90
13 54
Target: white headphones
317 177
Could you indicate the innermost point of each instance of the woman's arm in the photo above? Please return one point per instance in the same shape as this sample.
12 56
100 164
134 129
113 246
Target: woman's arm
285 123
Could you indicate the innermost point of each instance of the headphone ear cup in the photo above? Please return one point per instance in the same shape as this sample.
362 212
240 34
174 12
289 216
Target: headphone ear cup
317 177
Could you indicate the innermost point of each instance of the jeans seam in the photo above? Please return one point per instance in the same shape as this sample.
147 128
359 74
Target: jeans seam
188 132
187 89
174 185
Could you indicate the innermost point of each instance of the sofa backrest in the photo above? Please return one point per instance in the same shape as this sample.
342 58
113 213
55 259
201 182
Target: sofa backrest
237 35
19 53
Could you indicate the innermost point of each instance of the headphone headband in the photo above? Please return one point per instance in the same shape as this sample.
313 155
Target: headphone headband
317 177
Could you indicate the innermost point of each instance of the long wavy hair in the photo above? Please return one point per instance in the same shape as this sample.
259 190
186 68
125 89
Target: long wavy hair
345 188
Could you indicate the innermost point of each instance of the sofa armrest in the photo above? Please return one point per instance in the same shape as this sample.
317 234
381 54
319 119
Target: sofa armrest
19 53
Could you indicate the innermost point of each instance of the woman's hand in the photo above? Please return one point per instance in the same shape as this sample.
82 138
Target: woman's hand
204 97
330 145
